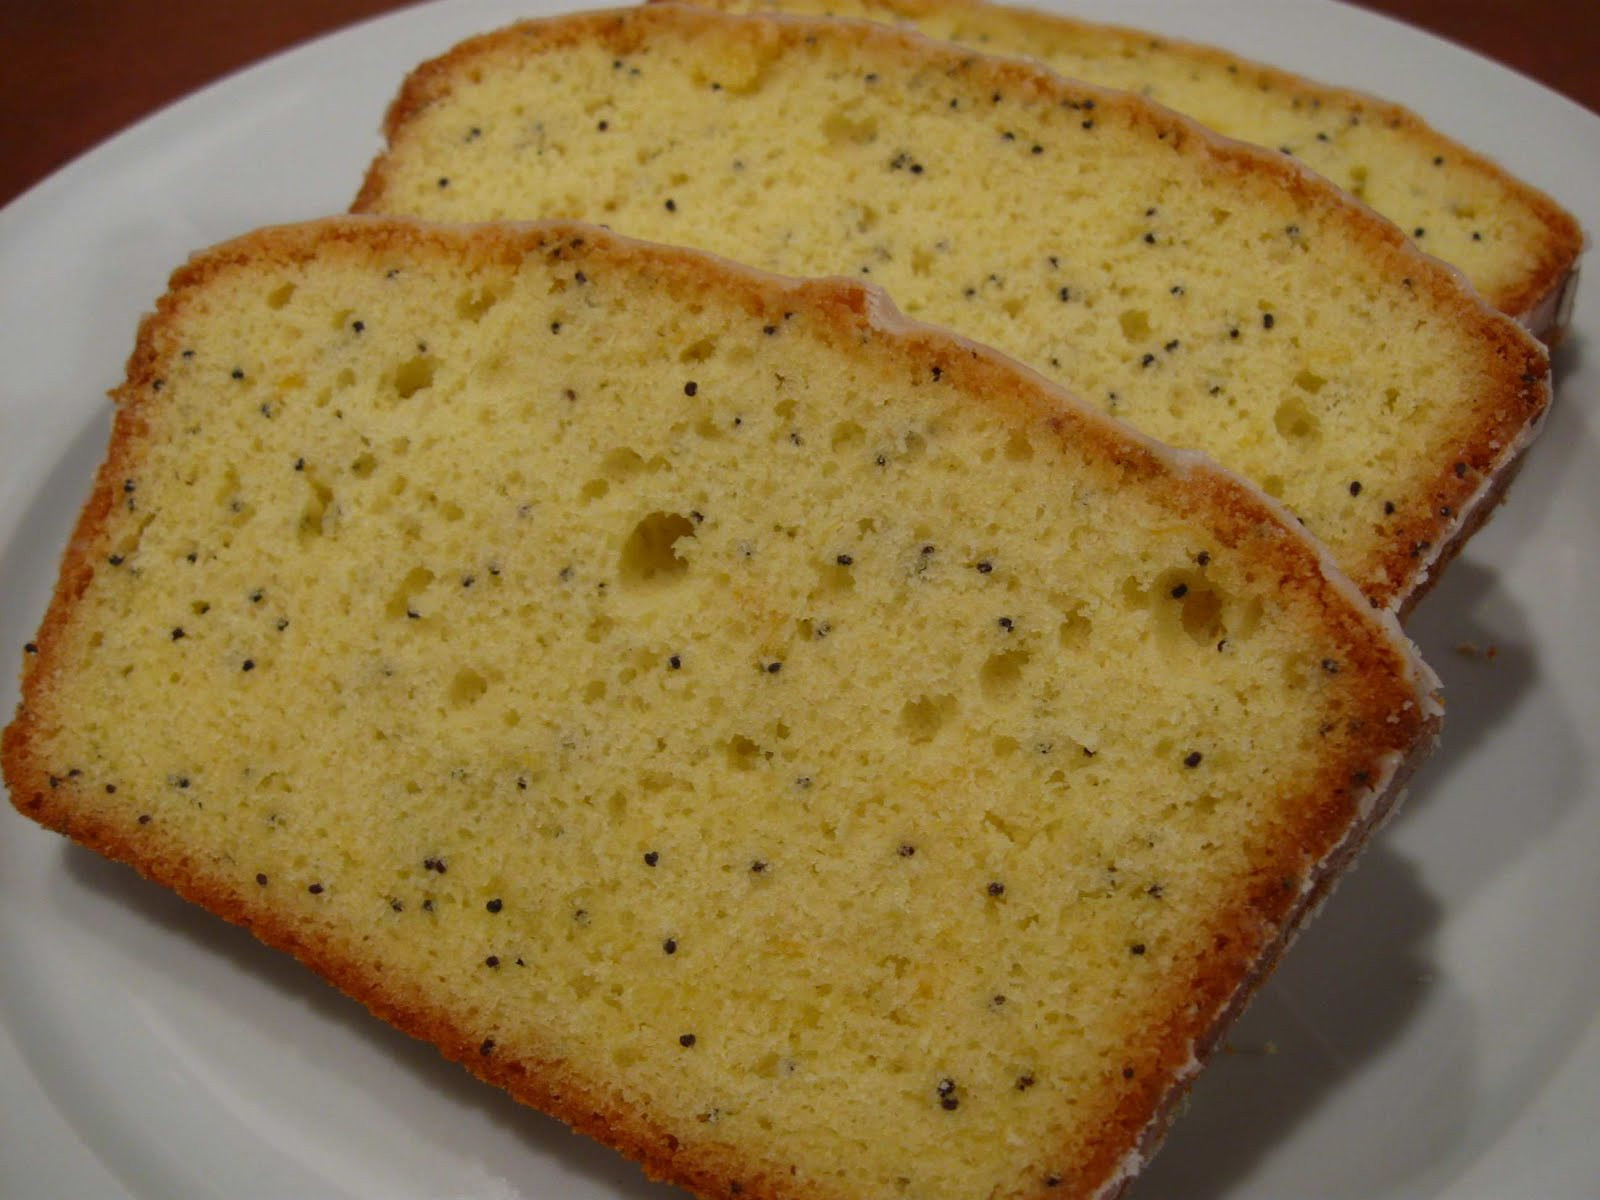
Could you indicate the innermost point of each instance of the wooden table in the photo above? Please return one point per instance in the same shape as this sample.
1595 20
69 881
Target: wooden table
77 71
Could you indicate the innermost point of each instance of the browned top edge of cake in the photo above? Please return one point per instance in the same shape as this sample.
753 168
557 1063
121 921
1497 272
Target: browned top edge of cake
1533 298
1361 777
1498 423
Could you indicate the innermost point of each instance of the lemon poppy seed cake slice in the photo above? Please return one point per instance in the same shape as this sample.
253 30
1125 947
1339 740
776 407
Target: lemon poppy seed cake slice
1217 296
1519 248
802 749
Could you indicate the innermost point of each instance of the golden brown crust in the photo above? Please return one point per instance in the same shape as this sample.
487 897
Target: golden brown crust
1391 724
1499 421
1532 297
1305 906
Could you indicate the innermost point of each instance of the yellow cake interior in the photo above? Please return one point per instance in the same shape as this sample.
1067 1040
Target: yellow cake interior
738 715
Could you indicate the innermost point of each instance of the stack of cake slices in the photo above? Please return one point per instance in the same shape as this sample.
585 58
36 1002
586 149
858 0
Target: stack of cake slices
815 601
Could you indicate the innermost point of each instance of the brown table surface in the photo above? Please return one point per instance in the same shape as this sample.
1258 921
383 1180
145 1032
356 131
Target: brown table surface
77 71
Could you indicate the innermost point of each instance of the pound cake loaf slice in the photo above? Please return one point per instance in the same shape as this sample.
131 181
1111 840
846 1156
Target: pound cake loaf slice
1519 247
800 748
1219 297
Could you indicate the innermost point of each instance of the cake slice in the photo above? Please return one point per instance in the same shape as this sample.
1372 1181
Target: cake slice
800 748
1518 247
1219 297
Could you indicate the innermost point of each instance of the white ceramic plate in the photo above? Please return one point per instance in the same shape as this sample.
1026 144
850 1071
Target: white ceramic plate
1435 1034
